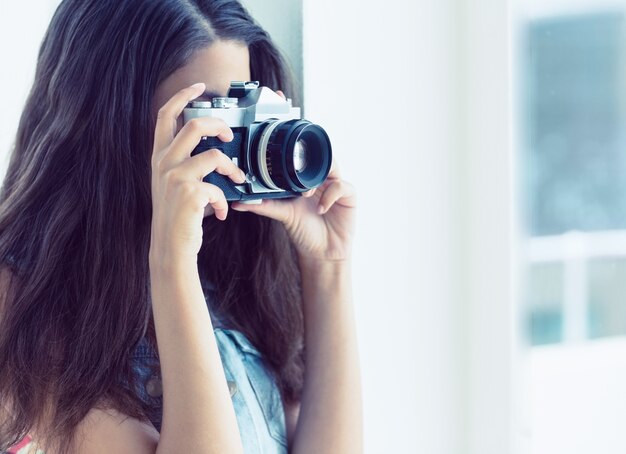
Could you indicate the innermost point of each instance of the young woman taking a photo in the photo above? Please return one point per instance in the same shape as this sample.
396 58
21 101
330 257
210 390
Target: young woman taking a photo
139 312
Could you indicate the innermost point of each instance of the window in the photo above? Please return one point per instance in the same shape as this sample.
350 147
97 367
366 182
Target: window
575 173
573 130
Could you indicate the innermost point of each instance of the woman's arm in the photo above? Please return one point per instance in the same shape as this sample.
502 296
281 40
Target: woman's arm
321 226
330 418
198 414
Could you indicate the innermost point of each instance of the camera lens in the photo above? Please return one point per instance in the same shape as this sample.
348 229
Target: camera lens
293 155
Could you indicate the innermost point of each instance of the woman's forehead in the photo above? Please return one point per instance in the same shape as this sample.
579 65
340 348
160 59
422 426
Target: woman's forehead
216 65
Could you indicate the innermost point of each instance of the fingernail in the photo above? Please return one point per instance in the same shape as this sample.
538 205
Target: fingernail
321 209
243 176
198 88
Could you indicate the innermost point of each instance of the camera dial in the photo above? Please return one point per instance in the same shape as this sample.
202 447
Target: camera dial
225 103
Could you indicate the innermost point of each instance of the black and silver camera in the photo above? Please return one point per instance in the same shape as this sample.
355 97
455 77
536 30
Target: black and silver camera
281 154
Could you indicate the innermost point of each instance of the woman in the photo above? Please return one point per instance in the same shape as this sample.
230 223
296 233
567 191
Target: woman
119 259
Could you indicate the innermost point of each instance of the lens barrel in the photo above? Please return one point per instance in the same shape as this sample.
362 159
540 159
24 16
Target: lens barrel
293 155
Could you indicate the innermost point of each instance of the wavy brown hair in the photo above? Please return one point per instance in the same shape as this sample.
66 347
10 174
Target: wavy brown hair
75 216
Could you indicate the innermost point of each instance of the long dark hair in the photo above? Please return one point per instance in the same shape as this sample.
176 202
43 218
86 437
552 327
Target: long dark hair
75 214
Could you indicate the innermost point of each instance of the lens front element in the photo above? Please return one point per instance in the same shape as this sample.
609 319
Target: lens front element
299 156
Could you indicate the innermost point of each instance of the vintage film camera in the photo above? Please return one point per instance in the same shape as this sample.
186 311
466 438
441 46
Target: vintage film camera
281 154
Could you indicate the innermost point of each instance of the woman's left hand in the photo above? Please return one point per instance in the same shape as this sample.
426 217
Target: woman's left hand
320 223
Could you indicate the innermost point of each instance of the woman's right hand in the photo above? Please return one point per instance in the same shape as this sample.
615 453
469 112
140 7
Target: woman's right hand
179 196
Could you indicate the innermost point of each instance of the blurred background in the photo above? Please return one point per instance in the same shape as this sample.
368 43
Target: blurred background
487 140
573 180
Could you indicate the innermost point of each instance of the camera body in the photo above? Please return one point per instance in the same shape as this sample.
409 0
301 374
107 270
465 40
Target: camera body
281 154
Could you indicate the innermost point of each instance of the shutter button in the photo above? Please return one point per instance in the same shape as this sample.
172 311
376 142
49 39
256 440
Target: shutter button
154 387
232 387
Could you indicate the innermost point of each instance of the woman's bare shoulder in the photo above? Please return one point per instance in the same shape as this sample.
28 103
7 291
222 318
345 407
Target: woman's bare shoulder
102 430
107 430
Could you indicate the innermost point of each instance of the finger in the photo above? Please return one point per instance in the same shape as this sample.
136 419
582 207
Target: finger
165 128
339 191
309 193
281 94
275 209
215 197
190 135
334 173
213 160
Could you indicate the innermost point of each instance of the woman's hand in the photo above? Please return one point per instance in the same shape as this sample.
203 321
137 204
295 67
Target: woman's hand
320 223
179 196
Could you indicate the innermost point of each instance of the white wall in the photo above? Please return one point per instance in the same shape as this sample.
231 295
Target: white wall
492 236
416 96
382 81
22 25
283 20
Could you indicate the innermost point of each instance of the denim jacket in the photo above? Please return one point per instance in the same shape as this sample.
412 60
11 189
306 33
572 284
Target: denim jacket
256 397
